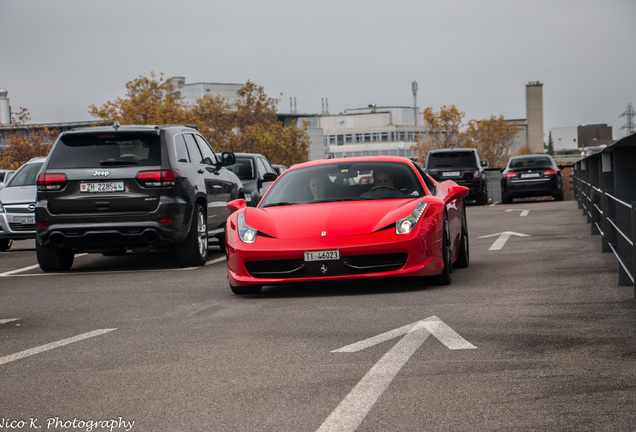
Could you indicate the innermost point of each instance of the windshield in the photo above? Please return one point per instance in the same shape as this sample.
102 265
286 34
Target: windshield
26 175
461 159
344 181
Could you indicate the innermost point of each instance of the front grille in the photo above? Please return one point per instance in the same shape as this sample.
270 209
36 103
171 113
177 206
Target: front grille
22 227
18 208
347 265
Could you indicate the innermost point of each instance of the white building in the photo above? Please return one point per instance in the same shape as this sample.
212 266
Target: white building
194 91
564 138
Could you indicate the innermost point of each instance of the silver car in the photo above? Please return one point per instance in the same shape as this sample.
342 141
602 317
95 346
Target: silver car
17 204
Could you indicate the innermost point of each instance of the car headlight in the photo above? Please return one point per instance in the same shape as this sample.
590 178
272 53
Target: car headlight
246 233
406 225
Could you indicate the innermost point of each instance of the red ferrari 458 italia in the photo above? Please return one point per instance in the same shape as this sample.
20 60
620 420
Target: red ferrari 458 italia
352 218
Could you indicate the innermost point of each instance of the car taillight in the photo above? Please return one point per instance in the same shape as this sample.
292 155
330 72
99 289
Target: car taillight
157 178
550 172
51 182
510 174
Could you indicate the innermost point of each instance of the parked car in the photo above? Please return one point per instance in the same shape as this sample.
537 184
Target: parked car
17 204
279 168
5 175
314 225
256 174
464 167
119 188
531 175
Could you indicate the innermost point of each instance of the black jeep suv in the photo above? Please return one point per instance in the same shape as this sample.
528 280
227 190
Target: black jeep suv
111 189
463 166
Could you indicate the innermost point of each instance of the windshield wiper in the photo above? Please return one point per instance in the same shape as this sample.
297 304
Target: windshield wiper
279 204
118 162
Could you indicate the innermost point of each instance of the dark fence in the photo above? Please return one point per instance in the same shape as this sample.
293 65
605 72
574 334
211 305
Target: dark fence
605 187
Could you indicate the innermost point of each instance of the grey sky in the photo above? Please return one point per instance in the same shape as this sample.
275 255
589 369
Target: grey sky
60 56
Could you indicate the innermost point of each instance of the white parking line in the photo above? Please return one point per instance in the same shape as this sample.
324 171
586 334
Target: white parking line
8 320
52 345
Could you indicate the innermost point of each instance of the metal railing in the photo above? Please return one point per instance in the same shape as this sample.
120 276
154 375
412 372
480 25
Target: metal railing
605 188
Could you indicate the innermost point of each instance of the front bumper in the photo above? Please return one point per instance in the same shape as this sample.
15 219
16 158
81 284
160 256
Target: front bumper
271 261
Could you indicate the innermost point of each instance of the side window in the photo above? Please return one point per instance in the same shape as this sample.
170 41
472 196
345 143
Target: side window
209 158
261 167
268 166
193 149
181 149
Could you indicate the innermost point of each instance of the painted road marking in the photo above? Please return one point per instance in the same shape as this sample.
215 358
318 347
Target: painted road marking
523 213
502 239
356 405
8 320
52 345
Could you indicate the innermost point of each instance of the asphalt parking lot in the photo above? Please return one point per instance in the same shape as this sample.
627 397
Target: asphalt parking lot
535 335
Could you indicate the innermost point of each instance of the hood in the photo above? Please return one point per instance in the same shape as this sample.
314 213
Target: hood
18 194
335 219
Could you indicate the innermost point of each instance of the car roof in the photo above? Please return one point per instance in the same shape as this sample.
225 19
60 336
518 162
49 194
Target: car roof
463 149
355 159
129 128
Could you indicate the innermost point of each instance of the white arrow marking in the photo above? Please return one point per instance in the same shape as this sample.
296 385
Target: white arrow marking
354 408
50 346
503 238
4 321
523 211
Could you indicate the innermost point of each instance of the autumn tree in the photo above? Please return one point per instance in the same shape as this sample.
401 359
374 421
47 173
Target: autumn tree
248 125
492 137
147 101
25 142
444 130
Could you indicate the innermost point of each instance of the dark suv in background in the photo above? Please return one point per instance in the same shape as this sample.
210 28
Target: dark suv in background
464 167
119 188
256 175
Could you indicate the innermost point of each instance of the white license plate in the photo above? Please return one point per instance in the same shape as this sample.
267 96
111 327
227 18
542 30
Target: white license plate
451 174
24 220
530 175
322 255
102 186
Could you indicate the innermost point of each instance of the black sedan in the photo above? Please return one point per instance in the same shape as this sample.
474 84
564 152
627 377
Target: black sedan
529 176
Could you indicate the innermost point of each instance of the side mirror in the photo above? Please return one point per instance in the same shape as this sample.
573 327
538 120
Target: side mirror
484 164
236 204
269 177
228 158
457 192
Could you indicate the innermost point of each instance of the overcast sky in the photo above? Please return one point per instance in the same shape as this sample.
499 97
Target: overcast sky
60 56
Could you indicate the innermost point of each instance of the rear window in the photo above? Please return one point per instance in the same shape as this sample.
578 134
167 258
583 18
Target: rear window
106 149
541 161
451 160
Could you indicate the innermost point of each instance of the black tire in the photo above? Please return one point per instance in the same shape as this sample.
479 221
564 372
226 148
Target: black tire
506 199
53 259
194 250
559 196
463 258
5 244
245 290
446 276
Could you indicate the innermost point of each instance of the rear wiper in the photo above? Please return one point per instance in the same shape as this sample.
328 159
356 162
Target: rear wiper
118 162
279 204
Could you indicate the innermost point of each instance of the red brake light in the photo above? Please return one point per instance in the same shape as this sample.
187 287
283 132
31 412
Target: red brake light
47 182
510 174
157 178
550 172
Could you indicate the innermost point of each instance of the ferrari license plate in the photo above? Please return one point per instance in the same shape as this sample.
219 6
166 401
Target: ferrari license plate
451 174
117 186
322 255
